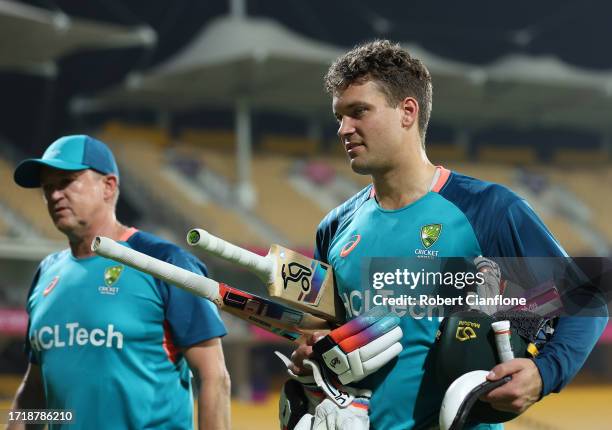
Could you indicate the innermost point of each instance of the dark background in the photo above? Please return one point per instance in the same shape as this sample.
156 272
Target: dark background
35 111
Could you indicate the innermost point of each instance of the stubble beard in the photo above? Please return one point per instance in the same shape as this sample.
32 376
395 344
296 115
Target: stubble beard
360 168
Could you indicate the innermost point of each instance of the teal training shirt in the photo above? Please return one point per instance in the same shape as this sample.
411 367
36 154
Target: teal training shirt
475 218
107 339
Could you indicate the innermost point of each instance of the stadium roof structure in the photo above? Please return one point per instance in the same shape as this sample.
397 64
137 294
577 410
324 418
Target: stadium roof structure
254 59
247 64
276 69
520 90
238 63
34 38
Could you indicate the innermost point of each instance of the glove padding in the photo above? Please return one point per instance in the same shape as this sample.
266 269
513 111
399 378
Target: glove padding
297 400
323 380
361 346
329 416
305 403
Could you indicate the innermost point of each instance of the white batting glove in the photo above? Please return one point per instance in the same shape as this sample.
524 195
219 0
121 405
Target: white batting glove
329 416
361 346
314 402
297 404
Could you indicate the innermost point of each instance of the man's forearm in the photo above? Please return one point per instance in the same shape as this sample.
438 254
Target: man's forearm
214 405
570 346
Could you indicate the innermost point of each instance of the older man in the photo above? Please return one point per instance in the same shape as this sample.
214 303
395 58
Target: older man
106 342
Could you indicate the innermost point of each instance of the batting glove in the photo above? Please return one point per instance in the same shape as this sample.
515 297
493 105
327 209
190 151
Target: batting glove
313 402
329 416
361 346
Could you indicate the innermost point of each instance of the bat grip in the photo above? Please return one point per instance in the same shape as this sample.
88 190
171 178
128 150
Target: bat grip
263 266
192 282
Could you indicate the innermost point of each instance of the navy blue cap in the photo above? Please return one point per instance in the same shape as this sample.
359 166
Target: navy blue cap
77 152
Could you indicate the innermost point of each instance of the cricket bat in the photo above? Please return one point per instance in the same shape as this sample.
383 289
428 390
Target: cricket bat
274 317
293 278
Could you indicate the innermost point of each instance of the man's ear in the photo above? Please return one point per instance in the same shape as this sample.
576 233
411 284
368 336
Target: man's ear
110 186
410 112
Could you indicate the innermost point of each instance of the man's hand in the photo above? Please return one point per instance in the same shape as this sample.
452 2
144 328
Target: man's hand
303 352
521 392
361 346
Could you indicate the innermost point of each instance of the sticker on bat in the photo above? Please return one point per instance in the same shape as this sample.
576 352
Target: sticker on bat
309 279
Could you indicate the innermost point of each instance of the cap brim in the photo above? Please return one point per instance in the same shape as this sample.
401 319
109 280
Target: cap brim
27 173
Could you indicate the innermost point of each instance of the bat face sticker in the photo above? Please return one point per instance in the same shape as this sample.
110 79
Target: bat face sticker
295 272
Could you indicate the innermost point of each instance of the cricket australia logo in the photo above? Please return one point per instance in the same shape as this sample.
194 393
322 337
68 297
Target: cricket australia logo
111 276
430 234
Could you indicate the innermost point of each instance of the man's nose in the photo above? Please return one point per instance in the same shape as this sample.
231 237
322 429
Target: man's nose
53 195
346 127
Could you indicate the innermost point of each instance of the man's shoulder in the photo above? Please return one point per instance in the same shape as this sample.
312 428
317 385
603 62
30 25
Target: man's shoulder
336 215
467 191
54 258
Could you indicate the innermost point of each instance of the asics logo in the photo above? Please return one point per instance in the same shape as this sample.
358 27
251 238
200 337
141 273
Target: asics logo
51 286
348 248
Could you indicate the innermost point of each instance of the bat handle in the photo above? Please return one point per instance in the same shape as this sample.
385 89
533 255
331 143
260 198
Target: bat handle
262 266
192 282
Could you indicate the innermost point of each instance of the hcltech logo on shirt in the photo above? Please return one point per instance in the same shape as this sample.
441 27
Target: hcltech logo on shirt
71 335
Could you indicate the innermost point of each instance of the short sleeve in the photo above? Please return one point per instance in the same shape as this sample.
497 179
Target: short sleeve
27 346
191 319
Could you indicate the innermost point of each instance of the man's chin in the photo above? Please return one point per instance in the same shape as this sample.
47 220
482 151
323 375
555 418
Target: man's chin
359 167
64 225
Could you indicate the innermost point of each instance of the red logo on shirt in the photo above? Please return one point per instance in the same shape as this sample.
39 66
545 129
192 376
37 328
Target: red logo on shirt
348 248
51 286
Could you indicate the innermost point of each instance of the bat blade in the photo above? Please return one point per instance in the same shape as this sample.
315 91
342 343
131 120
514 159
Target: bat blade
274 317
293 278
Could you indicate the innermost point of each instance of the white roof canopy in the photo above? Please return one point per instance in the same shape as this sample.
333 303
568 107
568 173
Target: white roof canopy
32 38
273 68
255 59
519 90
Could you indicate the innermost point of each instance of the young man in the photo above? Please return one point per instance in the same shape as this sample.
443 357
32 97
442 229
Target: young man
111 344
382 99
